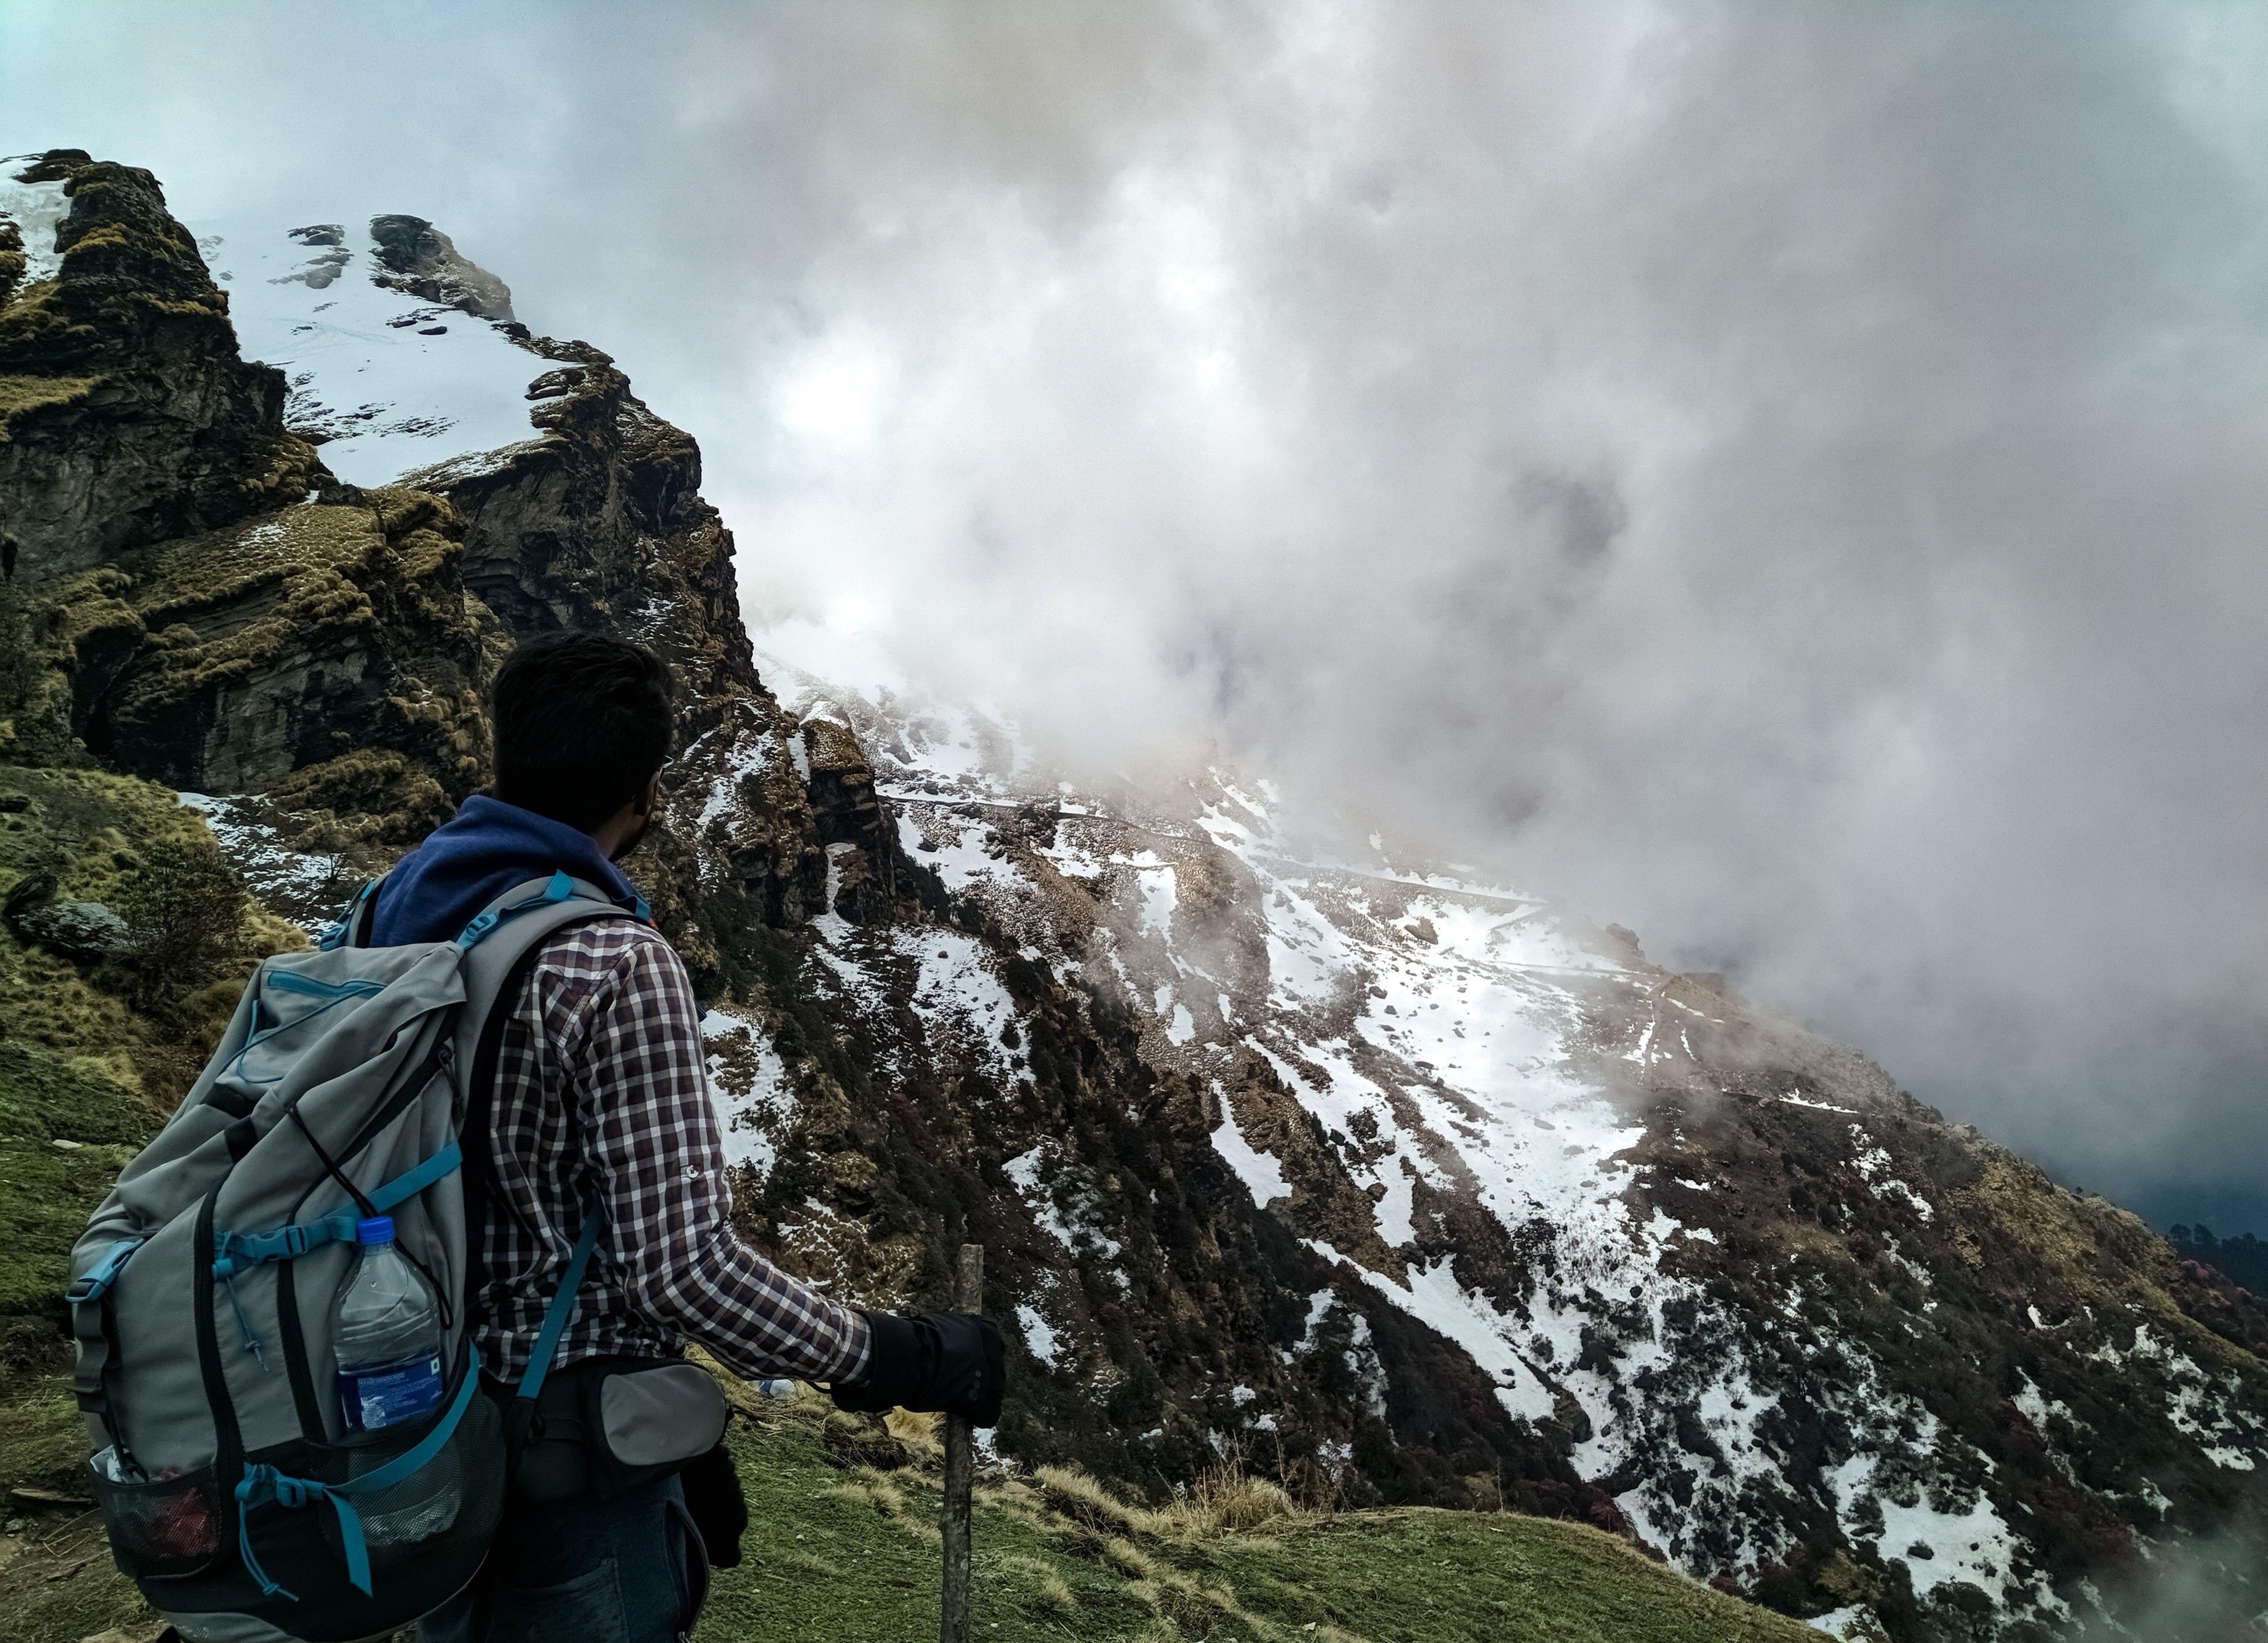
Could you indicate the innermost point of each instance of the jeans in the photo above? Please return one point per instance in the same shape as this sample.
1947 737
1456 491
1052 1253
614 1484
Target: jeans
629 1570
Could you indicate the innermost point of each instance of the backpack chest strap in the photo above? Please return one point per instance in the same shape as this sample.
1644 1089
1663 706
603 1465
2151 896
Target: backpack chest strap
240 1251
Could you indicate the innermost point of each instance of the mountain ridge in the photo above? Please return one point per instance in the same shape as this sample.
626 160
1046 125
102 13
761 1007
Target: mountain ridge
1598 1242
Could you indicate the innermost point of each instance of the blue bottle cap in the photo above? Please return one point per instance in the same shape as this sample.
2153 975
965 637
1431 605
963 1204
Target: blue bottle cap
377 1230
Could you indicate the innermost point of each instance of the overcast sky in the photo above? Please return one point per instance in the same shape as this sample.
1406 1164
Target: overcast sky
1791 479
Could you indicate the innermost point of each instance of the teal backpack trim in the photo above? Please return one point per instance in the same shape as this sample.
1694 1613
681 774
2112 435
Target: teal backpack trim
341 934
561 888
237 1252
261 1483
562 1308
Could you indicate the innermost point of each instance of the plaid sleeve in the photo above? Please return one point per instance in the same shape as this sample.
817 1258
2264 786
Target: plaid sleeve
653 1143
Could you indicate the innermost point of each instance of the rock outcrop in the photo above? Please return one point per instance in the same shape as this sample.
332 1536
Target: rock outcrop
127 413
277 647
85 932
597 523
420 259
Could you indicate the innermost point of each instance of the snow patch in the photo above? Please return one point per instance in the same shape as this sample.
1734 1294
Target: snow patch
1038 1335
748 1090
307 889
38 209
956 995
1261 1174
1874 1163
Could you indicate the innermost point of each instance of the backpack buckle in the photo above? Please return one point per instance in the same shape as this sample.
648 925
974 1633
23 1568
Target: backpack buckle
95 1282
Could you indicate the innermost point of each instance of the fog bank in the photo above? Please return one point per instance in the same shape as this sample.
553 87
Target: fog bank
1786 478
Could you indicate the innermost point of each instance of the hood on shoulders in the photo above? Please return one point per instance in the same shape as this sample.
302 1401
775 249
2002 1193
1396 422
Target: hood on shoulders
484 850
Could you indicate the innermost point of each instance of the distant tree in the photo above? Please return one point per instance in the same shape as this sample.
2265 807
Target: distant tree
2242 1259
185 907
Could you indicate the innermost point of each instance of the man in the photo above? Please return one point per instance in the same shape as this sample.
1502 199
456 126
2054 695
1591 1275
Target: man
599 1100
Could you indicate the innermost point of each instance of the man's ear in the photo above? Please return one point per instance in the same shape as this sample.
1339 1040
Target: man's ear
649 794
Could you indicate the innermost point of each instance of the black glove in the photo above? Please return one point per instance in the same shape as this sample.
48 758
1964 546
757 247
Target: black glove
947 1361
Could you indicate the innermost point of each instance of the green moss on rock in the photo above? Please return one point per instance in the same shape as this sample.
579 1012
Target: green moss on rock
20 396
300 637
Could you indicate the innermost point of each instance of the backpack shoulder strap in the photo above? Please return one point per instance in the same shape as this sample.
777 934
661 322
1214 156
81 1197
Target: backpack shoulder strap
516 922
353 927
497 952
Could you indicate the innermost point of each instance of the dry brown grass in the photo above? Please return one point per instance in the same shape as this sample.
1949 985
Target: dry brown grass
1225 1500
920 1431
1128 1558
1084 1501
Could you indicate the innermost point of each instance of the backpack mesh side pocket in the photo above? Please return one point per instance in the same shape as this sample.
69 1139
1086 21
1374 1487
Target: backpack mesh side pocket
414 1541
455 1499
161 1527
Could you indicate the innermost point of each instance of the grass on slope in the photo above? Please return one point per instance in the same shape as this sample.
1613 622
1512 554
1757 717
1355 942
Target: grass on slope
64 1135
57 1583
845 1553
850 1555
73 1102
73 1110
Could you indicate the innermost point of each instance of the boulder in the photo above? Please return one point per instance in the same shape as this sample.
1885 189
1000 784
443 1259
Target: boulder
84 932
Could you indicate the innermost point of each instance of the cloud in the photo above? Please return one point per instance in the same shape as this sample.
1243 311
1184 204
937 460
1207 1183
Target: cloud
1785 477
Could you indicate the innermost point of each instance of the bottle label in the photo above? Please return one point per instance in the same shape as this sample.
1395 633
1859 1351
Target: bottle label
386 1395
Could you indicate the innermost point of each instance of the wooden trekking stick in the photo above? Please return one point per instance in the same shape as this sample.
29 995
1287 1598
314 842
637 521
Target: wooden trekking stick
960 1472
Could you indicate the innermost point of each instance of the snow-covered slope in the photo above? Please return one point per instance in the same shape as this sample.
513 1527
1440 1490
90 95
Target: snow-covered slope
1529 1140
390 383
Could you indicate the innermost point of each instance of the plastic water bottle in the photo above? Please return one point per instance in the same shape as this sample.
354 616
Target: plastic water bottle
387 1336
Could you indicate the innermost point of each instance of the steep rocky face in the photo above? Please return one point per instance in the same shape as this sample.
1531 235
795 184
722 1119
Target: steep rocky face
598 523
326 659
127 413
1392 1185
420 259
305 644
326 644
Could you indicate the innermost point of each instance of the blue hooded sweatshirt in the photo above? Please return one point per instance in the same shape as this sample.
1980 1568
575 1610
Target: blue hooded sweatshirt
487 849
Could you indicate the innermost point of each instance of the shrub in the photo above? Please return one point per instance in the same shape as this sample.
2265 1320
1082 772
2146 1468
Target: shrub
184 908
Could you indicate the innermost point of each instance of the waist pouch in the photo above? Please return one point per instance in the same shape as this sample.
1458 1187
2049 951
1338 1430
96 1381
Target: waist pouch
605 1424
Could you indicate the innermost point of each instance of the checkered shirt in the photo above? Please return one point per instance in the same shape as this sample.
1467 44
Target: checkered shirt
603 1097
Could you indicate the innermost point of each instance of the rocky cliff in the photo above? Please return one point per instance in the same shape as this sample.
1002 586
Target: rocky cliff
127 414
1393 1187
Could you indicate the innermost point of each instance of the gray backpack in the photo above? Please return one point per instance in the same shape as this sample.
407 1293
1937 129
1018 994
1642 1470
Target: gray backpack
203 1292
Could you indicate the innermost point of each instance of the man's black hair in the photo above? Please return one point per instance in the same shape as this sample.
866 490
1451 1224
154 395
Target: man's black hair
581 722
